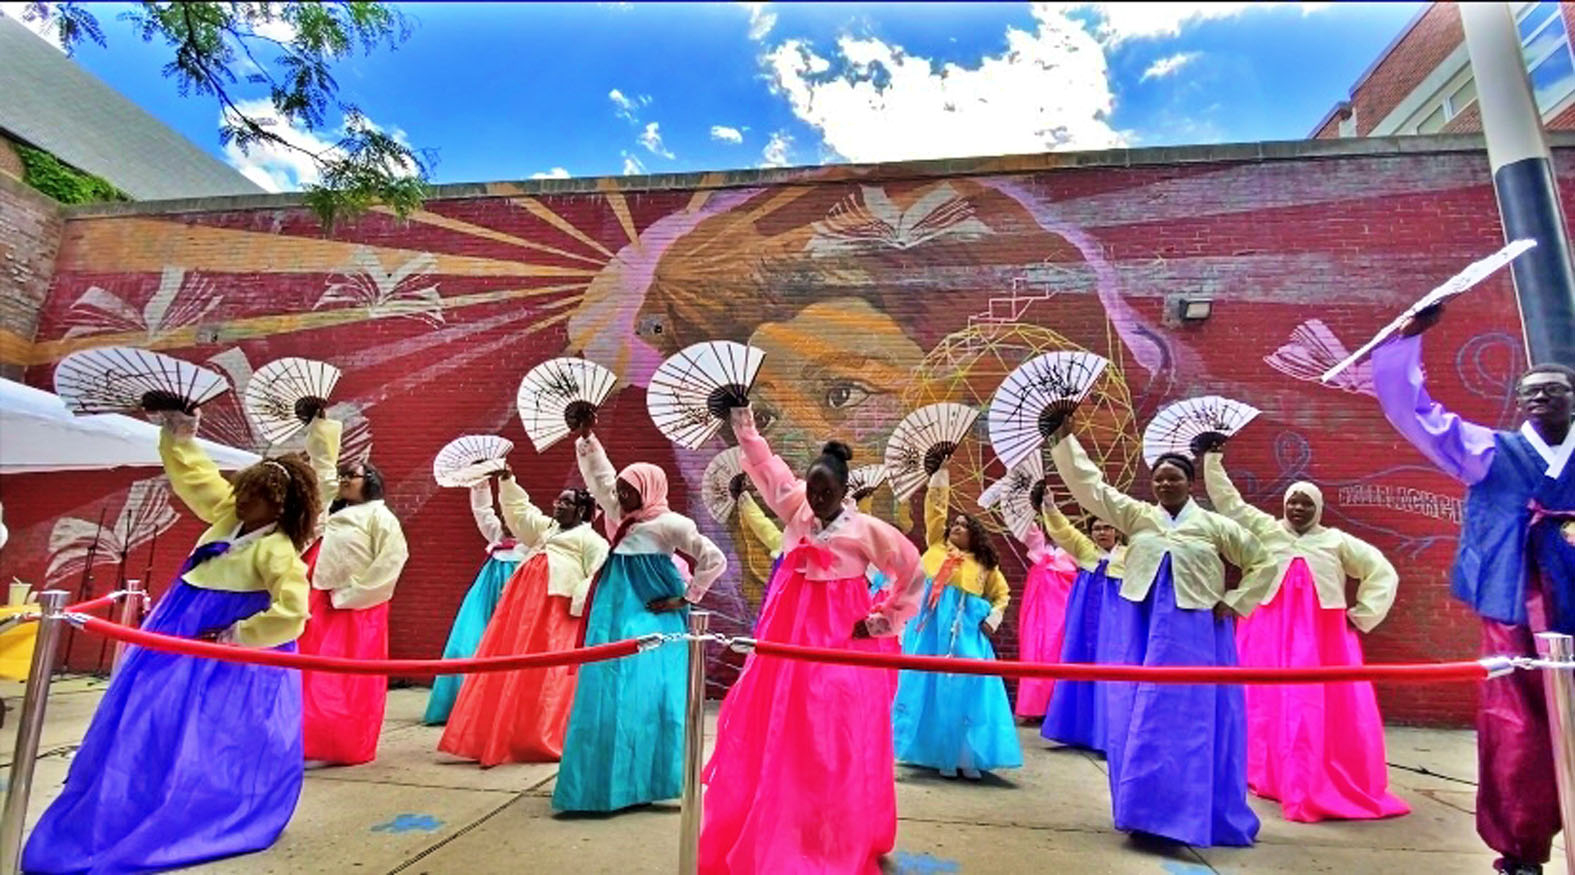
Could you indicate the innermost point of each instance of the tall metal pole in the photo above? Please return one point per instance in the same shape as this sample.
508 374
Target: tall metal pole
1559 686
1528 198
28 730
694 746
130 614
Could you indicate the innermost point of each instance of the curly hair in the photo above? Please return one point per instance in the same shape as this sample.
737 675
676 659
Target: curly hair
585 503
979 543
289 485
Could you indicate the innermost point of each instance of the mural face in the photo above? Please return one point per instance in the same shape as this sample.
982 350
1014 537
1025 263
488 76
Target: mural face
872 292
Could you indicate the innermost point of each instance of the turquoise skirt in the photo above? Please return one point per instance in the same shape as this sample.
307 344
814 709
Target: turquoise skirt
474 614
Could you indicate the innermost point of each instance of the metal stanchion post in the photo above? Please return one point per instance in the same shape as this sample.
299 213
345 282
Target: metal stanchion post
694 746
28 729
1559 685
130 614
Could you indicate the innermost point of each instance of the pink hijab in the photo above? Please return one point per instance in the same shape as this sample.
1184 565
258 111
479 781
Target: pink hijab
651 482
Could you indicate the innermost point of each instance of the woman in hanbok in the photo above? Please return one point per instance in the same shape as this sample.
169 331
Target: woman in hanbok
503 557
801 779
626 730
353 570
1041 617
521 716
187 759
760 527
1318 749
1076 713
955 722
1176 753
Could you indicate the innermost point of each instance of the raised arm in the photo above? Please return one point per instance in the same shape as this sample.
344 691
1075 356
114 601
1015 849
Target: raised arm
527 523
937 501
1461 449
895 557
284 575
780 488
192 474
375 585
1242 548
1087 484
487 522
322 450
759 525
601 478
1070 538
1227 500
1377 582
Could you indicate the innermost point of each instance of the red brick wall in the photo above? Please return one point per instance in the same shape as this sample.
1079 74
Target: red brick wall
30 226
1424 47
435 320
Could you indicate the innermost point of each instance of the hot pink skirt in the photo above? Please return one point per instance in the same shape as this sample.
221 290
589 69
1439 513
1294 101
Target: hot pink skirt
1040 625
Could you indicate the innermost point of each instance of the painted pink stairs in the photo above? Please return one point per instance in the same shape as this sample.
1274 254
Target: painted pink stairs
1317 749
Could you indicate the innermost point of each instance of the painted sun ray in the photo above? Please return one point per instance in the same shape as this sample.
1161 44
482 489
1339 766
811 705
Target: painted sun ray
545 213
437 220
620 208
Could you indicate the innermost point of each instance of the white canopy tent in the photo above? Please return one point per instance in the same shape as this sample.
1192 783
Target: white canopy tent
38 433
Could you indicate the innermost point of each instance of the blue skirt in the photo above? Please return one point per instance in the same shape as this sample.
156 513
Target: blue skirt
953 721
1177 753
474 614
625 740
1076 714
186 759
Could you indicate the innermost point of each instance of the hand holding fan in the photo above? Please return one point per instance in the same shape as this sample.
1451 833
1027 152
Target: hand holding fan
466 461
691 394
1186 427
559 396
1474 273
121 379
922 442
724 481
1012 495
864 480
1036 398
287 394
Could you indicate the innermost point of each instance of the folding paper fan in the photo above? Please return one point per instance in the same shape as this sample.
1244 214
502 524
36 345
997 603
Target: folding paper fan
557 394
1177 425
724 479
690 394
1475 272
923 440
1034 396
283 395
466 461
121 379
864 480
1012 495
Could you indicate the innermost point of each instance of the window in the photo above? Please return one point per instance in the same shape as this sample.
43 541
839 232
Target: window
1461 98
1433 123
1545 45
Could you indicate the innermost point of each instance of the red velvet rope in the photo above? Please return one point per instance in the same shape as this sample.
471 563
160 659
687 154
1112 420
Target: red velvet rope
344 665
1441 672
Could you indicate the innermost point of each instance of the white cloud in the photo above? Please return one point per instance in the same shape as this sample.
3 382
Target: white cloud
631 165
275 166
1124 21
761 20
775 154
554 173
1048 90
727 134
1168 65
628 108
48 31
651 139
275 28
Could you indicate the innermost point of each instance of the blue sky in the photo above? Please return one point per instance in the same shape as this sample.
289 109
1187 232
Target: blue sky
504 91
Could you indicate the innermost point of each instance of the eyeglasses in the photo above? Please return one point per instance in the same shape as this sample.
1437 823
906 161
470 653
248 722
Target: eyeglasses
1550 390
347 477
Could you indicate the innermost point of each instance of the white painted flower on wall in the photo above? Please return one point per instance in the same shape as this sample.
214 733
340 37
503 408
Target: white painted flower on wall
145 514
224 421
176 304
1311 351
405 291
871 220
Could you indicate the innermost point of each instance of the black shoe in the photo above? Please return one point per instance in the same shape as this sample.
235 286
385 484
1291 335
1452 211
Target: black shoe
1515 867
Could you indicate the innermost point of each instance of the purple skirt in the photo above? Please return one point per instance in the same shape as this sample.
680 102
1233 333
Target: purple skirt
1177 752
186 759
1076 714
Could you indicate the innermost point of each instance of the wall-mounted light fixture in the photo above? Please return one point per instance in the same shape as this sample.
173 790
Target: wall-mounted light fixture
1194 308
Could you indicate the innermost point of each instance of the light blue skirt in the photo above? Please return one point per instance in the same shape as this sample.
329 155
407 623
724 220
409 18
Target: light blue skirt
469 624
626 730
953 721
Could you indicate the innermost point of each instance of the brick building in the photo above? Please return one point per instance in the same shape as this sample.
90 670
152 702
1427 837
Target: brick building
1422 82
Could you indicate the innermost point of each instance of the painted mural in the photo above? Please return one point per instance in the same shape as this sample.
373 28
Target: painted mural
871 291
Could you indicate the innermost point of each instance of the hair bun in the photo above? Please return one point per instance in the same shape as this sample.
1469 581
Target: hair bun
837 449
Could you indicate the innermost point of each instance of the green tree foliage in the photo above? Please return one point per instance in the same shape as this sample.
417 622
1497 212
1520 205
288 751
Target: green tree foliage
61 181
287 48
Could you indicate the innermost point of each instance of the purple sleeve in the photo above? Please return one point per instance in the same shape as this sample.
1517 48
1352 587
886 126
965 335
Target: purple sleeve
1461 449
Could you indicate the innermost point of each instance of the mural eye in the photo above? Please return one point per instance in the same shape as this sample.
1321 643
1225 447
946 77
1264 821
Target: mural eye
844 395
651 326
765 417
